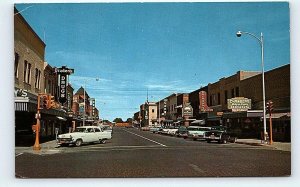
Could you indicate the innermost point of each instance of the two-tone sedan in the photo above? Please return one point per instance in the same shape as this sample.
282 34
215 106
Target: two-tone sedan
84 134
220 136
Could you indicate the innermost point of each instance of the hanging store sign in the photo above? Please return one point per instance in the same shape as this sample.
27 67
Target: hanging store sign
239 104
187 109
203 102
63 74
93 106
62 88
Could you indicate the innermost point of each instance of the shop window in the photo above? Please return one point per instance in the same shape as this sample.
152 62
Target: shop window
232 93
219 99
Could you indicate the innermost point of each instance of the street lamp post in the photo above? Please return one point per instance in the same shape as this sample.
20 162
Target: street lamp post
261 42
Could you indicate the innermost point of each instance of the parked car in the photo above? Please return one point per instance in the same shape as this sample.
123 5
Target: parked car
84 134
181 132
219 128
155 129
172 130
197 132
163 130
220 136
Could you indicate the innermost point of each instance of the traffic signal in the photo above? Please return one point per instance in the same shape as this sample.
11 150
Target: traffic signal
51 103
270 106
44 101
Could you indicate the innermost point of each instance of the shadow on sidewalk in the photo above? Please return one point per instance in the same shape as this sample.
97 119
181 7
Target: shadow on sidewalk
29 140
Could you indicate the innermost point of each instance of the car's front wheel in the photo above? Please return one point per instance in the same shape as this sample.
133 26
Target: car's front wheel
102 141
78 142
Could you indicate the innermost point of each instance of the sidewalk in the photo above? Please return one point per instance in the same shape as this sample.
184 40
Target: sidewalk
283 146
46 148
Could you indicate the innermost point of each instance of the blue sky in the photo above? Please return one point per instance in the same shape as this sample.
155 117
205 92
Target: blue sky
162 47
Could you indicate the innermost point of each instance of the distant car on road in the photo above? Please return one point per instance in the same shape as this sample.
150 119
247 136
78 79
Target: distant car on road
84 134
107 128
220 136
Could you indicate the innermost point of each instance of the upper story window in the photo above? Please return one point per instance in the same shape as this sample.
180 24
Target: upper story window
232 93
226 96
237 91
27 72
219 99
36 83
17 58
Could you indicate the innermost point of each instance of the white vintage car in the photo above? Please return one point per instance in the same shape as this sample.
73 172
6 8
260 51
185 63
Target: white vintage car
84 134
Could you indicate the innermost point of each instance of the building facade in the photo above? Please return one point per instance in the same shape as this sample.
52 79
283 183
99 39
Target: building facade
248 85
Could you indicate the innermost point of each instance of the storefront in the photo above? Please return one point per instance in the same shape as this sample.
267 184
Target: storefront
25 111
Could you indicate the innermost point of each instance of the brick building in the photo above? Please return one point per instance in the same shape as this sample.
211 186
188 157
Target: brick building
249 124
194 99
32 76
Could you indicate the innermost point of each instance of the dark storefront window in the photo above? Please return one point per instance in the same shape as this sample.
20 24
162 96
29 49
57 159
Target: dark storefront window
219 99
232 93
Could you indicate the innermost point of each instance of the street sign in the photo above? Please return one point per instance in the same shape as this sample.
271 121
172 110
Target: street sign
64 69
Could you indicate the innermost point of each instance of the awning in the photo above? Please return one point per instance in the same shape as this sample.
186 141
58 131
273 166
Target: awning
214 118
245 114
61 118
201 122
168 121
279 115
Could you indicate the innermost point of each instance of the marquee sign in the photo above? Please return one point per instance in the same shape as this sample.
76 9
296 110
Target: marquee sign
239 104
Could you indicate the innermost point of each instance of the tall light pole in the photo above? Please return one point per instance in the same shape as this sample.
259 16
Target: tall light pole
84 112
261 42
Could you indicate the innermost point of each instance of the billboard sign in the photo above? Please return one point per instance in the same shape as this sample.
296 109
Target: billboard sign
239 104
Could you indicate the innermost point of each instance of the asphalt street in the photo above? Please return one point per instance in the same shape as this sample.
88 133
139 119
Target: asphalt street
134 153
